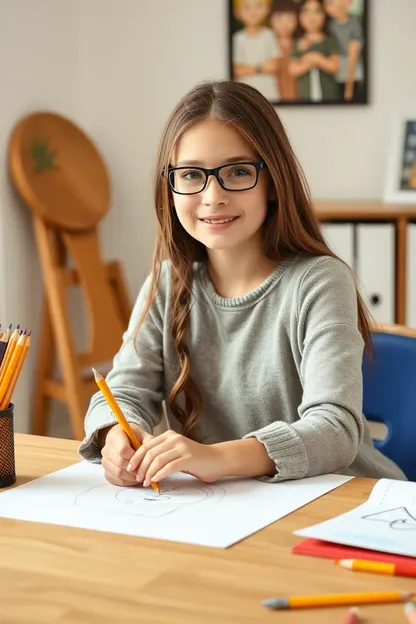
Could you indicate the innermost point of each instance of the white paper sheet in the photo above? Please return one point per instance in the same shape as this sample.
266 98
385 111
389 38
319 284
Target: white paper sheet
186 510
386 522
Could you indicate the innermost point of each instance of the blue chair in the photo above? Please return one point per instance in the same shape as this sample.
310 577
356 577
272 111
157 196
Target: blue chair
390 393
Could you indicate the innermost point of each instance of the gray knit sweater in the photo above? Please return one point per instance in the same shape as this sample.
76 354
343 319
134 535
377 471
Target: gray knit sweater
282 363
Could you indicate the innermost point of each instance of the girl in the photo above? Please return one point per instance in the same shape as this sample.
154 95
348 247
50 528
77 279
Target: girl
316 56
248 327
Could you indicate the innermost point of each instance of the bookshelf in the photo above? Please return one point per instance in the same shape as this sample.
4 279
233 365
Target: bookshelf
373 211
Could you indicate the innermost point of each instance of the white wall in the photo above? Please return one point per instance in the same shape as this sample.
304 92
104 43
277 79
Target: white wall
38 68
117 67
140 57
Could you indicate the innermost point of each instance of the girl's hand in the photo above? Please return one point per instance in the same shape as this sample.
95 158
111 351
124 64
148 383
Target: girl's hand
171 452
117 452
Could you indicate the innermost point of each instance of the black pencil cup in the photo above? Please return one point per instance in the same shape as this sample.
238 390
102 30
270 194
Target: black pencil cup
7 463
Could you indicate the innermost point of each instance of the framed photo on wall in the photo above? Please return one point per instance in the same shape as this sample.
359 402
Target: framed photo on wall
401 167
301 52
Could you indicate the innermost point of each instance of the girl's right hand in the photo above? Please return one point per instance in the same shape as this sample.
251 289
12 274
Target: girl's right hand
117 452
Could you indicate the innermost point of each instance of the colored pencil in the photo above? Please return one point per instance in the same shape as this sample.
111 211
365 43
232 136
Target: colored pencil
12 365
115 408
3 345
378 567
332 600
9 352
16 373
352 616
410 612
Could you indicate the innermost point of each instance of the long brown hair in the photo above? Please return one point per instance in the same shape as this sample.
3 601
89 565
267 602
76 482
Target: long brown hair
291 225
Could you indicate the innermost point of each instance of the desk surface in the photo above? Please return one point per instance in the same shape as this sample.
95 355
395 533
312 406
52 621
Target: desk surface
60 574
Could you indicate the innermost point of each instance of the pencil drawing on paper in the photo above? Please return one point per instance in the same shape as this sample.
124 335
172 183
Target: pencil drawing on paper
137 501
399 519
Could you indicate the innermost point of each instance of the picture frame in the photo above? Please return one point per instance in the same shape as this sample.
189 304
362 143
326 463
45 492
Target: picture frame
400 186
280 31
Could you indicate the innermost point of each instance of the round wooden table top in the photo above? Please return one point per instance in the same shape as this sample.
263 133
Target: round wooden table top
59 172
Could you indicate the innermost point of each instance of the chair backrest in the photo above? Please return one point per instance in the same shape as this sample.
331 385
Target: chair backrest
390 396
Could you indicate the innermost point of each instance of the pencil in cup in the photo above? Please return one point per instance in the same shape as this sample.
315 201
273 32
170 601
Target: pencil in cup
379 567
410 612
334 600
4 339
115 408
11 342
12 370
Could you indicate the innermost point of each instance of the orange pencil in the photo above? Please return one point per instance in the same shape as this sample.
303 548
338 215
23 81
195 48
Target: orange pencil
11 345
335 600
115 408
11 366
352 616
9 393
379 567
3 344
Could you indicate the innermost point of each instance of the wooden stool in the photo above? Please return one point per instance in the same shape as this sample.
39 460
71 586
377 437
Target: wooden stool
60 175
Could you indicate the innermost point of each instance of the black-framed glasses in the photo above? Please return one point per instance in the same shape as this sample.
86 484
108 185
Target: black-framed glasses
238 176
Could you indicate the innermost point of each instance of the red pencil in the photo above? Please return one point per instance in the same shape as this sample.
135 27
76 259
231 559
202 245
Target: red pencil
410 612
352 616
377 567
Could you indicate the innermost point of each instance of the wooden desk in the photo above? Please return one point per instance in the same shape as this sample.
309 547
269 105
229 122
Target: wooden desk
60 574
362 211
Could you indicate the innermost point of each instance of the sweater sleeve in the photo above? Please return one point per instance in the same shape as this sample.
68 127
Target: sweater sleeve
328 428
136 379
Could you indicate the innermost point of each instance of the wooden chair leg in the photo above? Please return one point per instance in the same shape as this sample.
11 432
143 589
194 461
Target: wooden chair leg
55 288
44 368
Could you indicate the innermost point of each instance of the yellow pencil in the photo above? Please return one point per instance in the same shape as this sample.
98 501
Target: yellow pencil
16 373
11 345
11 367
115 408
332 600
379 567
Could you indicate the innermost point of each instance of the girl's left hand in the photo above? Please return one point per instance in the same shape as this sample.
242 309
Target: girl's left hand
171 452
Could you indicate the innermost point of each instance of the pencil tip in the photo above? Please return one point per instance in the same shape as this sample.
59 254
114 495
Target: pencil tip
275 603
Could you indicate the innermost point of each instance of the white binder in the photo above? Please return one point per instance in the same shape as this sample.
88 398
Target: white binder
375 269
340 239
411 276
